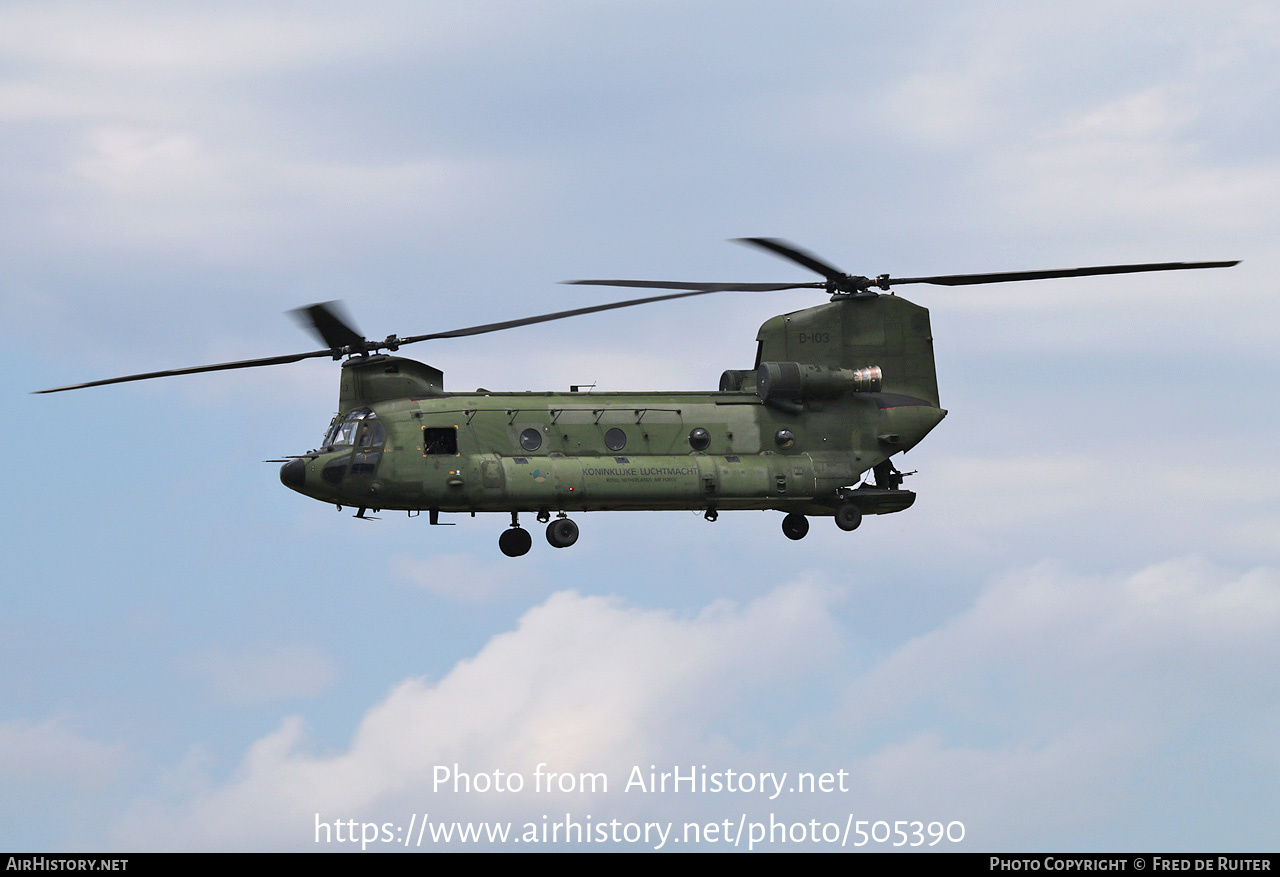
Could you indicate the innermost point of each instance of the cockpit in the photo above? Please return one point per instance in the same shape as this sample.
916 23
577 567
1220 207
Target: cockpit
346 462
359 431
345 432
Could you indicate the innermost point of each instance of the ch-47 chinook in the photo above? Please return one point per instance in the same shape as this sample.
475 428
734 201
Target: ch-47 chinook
836 391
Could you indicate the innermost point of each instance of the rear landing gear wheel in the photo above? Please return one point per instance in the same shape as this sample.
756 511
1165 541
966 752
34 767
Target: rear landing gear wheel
561 533
515 542
795 526
848 516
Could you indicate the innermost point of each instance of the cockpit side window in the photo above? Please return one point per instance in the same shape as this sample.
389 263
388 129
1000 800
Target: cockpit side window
374 436
369 449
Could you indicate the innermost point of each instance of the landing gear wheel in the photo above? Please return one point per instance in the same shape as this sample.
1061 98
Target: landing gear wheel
848 516
515 542
561 533
795 526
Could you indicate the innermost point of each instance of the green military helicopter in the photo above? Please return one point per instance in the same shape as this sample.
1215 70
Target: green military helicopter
836 391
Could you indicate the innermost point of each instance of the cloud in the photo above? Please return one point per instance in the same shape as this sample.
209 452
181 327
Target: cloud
51 773
1168 639
582 684
1135 158
1033 714
151 186
151 128
1036 713
177 40
950 108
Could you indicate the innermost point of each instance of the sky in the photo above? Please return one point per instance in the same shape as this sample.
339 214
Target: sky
1067 644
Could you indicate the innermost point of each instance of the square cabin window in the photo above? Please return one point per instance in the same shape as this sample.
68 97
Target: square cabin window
439 440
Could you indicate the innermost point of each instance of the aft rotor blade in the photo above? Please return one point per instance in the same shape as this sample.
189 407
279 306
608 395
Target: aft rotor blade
194 370
1008 276
790 251
330 324
560 315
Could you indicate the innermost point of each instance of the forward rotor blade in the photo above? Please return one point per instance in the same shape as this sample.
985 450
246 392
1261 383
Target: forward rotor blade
1008 276
455 333
560 315
702 287
330 324
194 370
795 254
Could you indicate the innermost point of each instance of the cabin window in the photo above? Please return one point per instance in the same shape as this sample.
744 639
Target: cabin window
699 439
531 439
615 439
785 439
439 440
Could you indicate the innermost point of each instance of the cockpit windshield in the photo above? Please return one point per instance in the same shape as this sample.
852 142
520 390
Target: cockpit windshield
343 431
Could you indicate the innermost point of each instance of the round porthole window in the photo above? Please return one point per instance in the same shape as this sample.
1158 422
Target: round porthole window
531 439
615 439
785 439
699 439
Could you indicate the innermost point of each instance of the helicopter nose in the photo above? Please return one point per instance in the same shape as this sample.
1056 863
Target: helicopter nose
293 474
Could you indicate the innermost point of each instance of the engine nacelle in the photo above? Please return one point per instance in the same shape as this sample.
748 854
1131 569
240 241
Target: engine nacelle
738 380
794 381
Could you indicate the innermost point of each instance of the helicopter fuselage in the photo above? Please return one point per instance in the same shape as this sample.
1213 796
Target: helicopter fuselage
557 452
836 391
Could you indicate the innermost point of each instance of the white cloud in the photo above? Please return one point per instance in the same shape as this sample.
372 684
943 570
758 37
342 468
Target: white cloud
582 684
1254 534
131 162
1168 640
1054 483
950 108
1030 715
173 40
1133 159
167 186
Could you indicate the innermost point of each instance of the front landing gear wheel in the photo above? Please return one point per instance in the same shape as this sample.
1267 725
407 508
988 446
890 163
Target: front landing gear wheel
795 526
848 516
561 533
515 542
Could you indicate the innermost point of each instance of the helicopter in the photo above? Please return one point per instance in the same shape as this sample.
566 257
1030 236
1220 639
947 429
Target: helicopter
836 391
